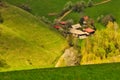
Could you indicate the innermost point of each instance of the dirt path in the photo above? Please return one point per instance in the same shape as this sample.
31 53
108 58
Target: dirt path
69 58
103 2
68 12
62 58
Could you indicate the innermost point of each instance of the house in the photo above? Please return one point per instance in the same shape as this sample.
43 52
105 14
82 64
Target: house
63 23
78 33
57 26
76 26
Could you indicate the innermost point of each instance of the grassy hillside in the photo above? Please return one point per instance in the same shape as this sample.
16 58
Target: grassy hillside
91 72
26 42
94 12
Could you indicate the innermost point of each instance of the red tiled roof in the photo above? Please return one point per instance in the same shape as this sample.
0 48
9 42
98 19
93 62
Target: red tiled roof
57 27
86 18
89 30
63 23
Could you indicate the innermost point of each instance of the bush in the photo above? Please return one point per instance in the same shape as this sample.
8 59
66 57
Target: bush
70 40
105 19
84 5
3 64
69 22
90 3
99 18
25 7
79 6
46 20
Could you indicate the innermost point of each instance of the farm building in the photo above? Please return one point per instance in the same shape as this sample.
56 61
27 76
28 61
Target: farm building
76 26
78 33
57 26
63 23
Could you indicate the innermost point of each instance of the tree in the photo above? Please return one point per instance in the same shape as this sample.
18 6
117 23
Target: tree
79 6
107 18
90 3
1 18
84 5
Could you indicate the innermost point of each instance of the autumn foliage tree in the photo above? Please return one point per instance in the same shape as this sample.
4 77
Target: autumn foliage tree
102 45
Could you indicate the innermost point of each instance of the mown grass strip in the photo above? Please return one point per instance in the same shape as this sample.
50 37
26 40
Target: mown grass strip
86 72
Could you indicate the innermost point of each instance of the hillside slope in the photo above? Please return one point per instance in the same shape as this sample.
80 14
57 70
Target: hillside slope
26 41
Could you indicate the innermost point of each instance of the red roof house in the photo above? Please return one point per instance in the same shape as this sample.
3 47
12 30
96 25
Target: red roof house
63 23
89 30
57 26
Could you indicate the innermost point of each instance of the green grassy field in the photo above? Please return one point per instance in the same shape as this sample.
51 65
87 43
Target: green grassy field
56 7
96 11
43 7
26 42
86 72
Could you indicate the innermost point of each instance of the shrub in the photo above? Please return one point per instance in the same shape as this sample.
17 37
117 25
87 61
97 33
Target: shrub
69 22
70 40
99 18
78 7
25 7
3 64
105 19
90 3
46 20
84 5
